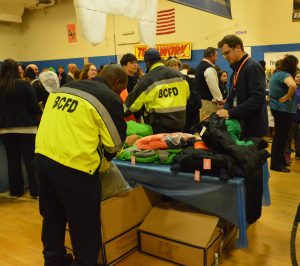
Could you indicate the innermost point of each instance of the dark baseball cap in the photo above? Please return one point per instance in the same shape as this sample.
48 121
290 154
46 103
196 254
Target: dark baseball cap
152 54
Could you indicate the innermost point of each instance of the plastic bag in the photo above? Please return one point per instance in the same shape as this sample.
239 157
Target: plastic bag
138 129
113 182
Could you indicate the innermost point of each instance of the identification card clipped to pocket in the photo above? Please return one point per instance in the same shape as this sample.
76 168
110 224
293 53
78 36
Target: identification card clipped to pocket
197 176
132 159
207 164
234 104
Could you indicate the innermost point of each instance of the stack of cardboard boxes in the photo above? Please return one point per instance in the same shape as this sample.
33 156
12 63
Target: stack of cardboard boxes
180 235
176 234
120 217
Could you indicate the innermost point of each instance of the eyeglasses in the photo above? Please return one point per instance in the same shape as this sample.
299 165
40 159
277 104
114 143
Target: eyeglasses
227 52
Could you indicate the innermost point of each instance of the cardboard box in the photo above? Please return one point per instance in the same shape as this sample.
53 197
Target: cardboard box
120 217
229 238
137 258
180 235
115 249
125 211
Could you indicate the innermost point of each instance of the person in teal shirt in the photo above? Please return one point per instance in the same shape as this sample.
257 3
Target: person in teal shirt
283 106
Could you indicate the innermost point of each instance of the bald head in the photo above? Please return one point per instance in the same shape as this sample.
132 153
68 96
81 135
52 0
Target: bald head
115 76
72 68
34 67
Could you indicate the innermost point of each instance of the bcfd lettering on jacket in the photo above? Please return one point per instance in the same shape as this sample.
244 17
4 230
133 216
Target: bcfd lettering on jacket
64 102
168 92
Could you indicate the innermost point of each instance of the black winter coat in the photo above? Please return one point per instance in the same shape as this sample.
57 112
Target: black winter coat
251 159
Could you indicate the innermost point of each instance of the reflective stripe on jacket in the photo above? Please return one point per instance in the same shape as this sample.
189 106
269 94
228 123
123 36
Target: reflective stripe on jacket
80 123
163 92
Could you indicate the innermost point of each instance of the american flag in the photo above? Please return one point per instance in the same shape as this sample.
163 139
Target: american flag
165 22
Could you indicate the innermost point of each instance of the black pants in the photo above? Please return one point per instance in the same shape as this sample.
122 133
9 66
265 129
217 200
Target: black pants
20 146
282 121
68 195
294 134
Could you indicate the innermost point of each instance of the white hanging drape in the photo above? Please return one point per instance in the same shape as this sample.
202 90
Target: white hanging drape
91 15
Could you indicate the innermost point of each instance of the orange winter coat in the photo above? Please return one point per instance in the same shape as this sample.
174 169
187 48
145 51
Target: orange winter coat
123 96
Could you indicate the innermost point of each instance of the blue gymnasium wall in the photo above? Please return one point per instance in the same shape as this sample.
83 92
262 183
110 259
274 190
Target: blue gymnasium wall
257 54
97 60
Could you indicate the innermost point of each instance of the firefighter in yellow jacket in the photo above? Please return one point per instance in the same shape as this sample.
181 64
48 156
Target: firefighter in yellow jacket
161 94
82 125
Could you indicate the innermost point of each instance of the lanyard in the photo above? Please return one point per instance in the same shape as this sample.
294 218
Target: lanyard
236 74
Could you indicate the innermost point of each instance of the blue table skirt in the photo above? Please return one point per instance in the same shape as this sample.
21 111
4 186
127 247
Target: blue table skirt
211 195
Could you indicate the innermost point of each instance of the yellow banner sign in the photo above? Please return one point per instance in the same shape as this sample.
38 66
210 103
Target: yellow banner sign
181 50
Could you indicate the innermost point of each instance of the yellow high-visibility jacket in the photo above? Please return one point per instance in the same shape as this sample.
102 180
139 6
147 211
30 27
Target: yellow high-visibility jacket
163 93
81 123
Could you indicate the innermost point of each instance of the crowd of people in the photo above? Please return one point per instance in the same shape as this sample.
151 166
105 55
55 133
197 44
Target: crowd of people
67 126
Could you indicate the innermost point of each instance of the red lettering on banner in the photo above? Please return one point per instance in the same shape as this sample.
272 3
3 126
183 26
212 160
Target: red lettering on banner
182 48
171 50
177 50
141 51
163 51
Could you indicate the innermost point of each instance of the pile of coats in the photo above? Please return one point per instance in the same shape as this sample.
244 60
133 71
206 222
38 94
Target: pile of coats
220 142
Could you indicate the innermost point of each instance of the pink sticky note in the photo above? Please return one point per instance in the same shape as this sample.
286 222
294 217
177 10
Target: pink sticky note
197 176
132 159
206 164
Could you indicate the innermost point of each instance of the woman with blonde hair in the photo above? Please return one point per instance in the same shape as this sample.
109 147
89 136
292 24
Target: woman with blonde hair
173 62
89 71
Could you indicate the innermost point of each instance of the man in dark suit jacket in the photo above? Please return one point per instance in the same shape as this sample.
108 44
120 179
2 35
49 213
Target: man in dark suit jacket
247 103
247 97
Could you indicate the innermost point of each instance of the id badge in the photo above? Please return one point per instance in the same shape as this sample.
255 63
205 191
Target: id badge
234 102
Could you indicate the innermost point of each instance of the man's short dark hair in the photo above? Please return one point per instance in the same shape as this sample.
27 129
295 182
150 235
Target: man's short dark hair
232 41
263 63
126 58
209 51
